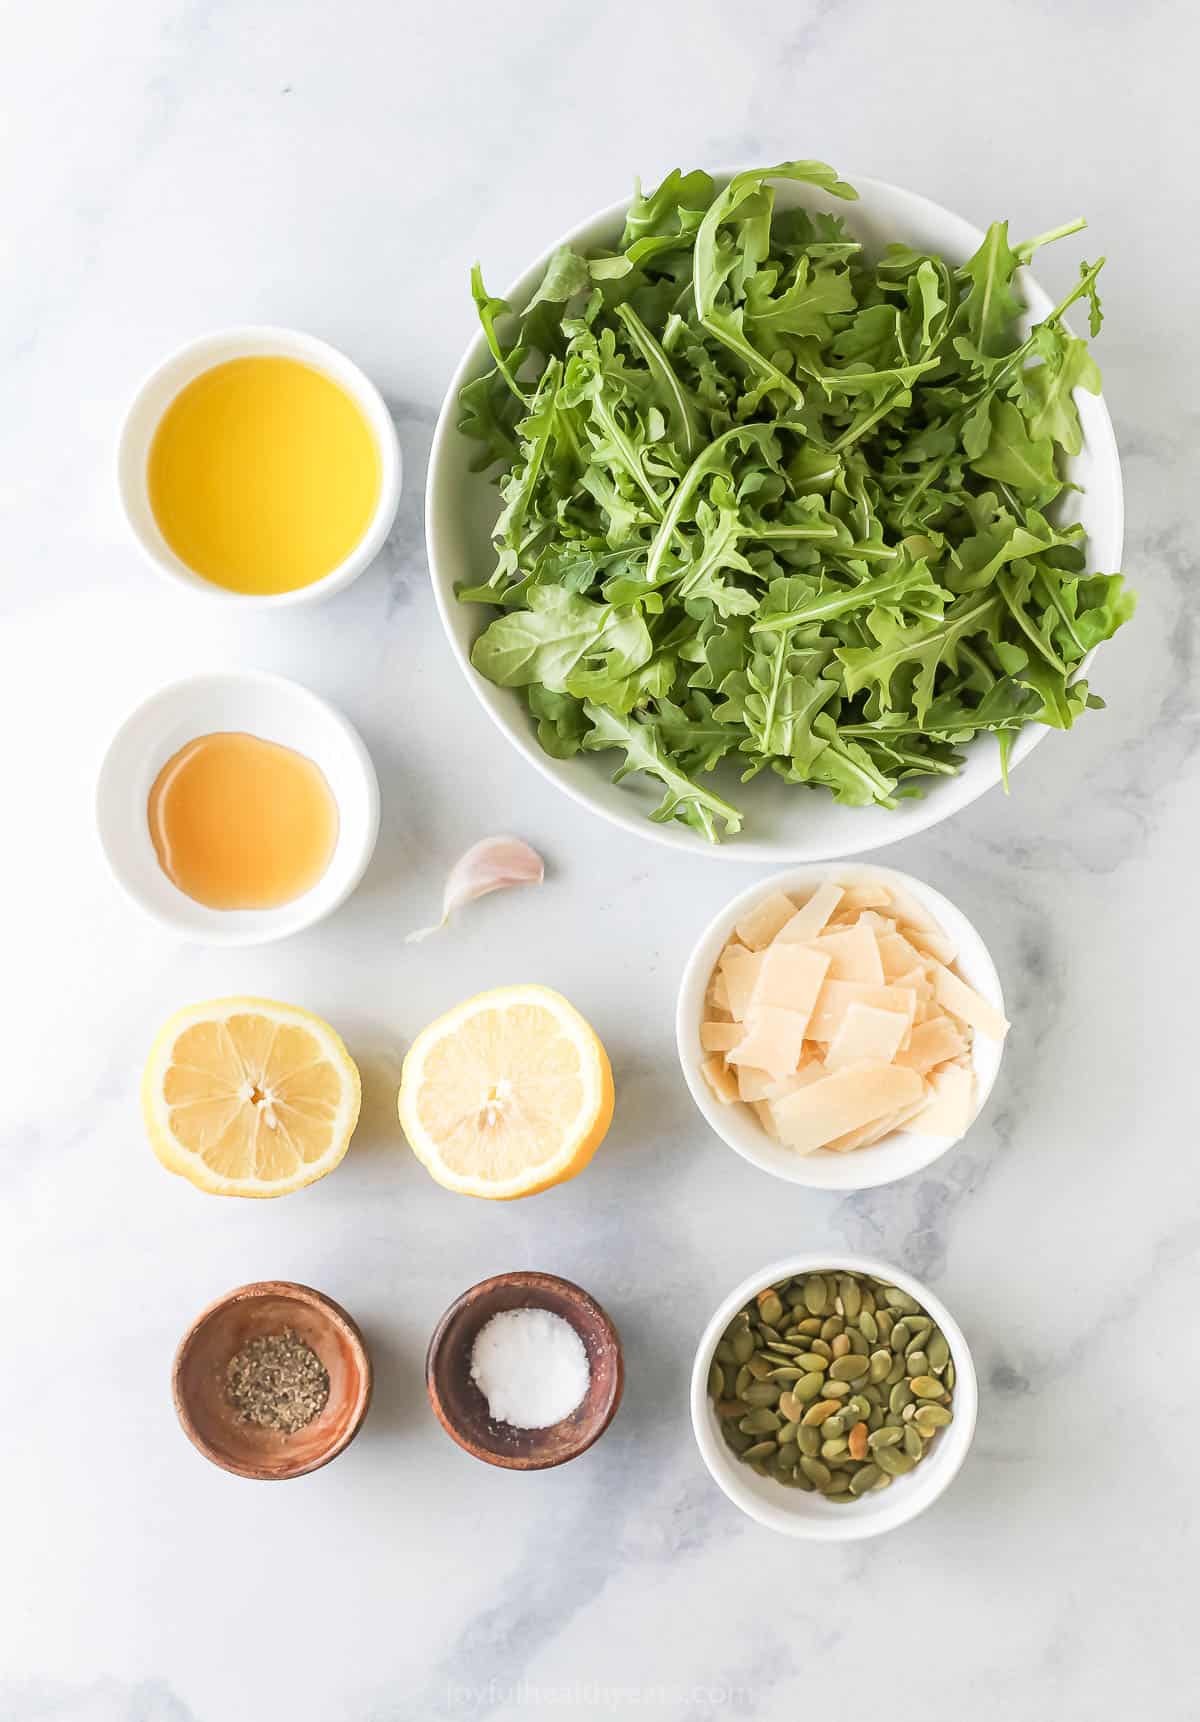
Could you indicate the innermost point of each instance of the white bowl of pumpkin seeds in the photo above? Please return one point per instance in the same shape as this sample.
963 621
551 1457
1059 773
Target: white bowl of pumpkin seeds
903 1151
857 1347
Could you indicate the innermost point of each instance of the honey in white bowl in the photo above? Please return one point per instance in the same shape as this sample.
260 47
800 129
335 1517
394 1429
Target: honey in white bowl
242 823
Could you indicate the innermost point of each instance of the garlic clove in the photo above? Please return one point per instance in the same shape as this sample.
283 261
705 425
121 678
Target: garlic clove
491 865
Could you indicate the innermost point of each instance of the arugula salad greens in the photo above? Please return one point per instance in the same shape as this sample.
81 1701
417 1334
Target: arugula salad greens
769 501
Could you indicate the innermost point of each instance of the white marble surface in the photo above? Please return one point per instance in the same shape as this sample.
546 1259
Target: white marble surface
169 167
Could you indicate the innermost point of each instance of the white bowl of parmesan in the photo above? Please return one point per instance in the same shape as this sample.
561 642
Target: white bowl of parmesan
840 1025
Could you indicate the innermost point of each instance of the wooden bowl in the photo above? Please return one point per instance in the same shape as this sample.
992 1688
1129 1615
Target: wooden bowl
462 1409
219 1332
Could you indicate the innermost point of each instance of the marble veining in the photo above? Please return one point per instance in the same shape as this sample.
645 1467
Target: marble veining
171 167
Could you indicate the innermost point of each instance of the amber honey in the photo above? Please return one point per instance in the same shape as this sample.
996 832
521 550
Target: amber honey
242 823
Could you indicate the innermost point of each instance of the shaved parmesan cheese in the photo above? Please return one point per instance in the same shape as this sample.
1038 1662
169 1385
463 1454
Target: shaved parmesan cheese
932 1043
809 920
754 1085
836 1015
869 1134
739 968
910 913
934 945
865 897
867 1032
964 1002
897 956
950 1108
720 1036
765 921
774 1040
836 997
844 1101
720 1079
853 955
790 976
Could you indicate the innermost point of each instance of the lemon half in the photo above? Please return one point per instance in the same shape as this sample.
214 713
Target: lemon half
506 1094
247 1097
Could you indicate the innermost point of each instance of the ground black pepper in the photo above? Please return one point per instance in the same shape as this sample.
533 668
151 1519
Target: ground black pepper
277 1382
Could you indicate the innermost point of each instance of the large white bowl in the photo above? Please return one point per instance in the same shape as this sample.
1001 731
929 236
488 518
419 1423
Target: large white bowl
894 1156
792 1511
783 821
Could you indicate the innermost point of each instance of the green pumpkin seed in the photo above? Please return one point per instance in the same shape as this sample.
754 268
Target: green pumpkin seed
759 1367
927 1387
908 1413
835 1389
835 1425
742 1380
884 1321
894 1461
864 1478
849 1368
939 1352
916 1362
763 1393
868 1326
839 1345
880 1365
813 1360
920 1327
716 1380
884 1438
896 1372
760 1450
858 1342
900 1397
816 1295
760 1421
900 1336
808 1439
808 1387
790 1407
831 1326
851 1296
743 1345
810 1325
785 1374
815 1471
833 1448
858 1408
885 1482
913 1444
949 1376
787 1434
822 1348
929 1418
897 1299
770 1307
725 1352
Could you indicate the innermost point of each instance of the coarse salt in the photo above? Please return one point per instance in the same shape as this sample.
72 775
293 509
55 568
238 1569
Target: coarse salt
530 1366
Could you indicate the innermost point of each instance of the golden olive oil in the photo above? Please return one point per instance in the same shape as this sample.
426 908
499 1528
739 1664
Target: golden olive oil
263 475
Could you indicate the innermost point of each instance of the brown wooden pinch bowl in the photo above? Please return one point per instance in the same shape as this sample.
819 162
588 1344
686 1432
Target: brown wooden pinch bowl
462 1409
219 1333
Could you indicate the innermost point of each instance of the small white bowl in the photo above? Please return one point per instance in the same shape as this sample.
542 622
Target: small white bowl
792 1511
182 367
277 710
902 1152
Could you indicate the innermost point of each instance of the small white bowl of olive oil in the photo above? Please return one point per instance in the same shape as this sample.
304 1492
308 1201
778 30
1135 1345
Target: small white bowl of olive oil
237 808
259 466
